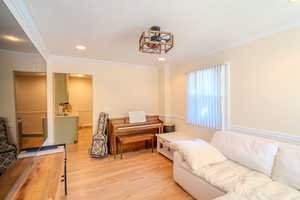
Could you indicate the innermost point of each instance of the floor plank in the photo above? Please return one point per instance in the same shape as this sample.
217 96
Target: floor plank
140 175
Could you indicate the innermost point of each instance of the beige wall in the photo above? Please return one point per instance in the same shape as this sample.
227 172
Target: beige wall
10 61
31 102
31 93
117 87
80 98
264 81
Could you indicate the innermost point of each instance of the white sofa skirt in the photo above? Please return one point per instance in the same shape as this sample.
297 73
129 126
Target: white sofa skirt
191 183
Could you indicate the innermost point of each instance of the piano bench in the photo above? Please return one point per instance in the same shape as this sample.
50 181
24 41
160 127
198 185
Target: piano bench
126 139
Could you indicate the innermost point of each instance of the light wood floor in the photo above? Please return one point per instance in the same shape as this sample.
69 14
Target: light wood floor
140 175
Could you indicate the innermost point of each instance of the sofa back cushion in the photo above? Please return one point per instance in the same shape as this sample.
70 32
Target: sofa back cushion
253 152
286 168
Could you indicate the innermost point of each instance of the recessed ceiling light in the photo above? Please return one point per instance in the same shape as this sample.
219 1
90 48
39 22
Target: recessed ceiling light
80 47
161 59
12 38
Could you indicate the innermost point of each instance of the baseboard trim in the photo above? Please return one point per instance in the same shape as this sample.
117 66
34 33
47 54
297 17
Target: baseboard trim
85 126
32 135
273 134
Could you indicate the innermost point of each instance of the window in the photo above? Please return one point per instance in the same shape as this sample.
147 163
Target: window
206 97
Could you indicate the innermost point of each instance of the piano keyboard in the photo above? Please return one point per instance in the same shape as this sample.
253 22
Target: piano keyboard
138 126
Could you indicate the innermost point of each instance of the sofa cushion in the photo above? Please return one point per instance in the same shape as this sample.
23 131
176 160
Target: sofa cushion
233 177
5 147
198 153
250 182
274 191
270 191
287 166
253 152
3 133
6 159
223 175
231 196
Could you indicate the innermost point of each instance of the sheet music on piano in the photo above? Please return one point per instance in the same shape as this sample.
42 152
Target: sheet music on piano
137 116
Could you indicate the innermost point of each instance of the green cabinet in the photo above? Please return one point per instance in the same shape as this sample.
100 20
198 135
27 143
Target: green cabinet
66 129
61 88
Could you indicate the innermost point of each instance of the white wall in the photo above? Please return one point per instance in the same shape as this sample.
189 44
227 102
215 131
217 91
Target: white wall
264 85
9 62
117 87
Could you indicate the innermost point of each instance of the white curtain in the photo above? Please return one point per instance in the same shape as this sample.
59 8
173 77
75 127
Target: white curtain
205 97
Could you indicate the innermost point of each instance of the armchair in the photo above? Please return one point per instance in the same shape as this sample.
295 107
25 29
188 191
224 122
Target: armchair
8 152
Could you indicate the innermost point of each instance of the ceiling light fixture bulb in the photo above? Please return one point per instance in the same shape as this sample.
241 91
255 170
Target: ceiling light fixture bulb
161 59
12 38
80 47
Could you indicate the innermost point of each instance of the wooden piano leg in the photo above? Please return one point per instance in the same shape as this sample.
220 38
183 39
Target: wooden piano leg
121 148
114 147
152 143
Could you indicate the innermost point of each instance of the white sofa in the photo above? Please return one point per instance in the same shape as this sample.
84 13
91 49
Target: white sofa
256 169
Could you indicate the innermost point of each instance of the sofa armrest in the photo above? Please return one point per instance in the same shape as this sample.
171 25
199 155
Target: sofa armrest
191 183
178 160
177 157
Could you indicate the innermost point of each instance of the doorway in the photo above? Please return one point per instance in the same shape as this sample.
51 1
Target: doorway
73 107
31 108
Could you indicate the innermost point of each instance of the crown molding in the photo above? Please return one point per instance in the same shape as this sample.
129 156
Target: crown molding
272 134
260 35
53 58
20 12
5 51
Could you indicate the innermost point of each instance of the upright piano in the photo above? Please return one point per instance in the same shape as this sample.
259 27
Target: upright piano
121 126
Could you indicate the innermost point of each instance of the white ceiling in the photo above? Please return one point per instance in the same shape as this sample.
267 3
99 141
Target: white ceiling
10 27
110 29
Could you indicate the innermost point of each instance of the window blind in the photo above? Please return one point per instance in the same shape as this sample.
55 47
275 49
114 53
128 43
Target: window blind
206 97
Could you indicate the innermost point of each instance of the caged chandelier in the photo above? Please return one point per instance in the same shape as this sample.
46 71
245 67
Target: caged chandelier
155 41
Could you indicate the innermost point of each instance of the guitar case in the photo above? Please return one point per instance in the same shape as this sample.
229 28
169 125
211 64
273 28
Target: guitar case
99 148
